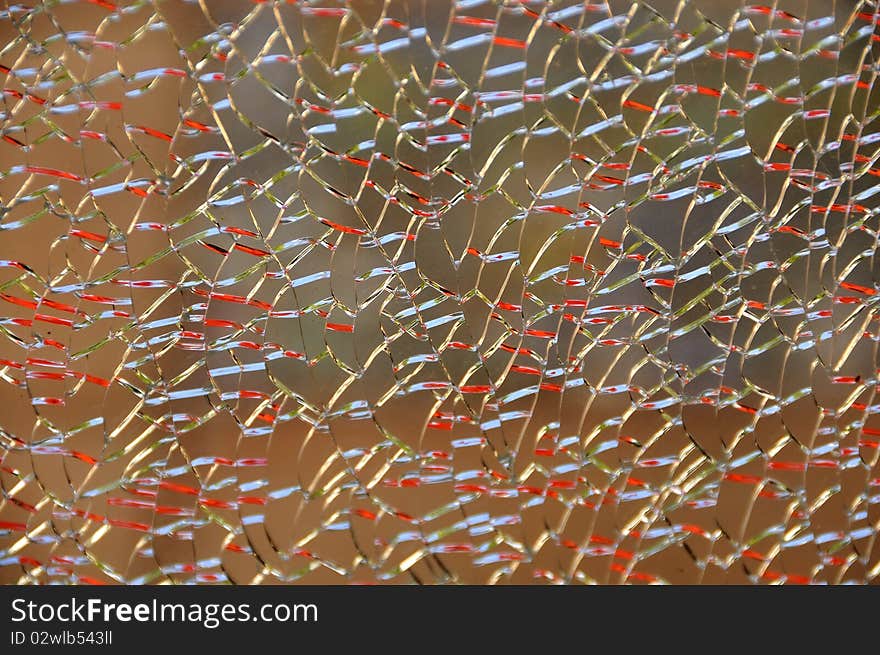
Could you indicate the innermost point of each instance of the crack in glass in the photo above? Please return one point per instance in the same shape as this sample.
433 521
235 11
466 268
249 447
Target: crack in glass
439 292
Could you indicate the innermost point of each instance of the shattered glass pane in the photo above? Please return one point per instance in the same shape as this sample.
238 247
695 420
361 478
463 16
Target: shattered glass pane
439 292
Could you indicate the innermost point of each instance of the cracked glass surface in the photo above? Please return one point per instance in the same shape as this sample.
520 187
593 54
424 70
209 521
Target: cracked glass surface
439 292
